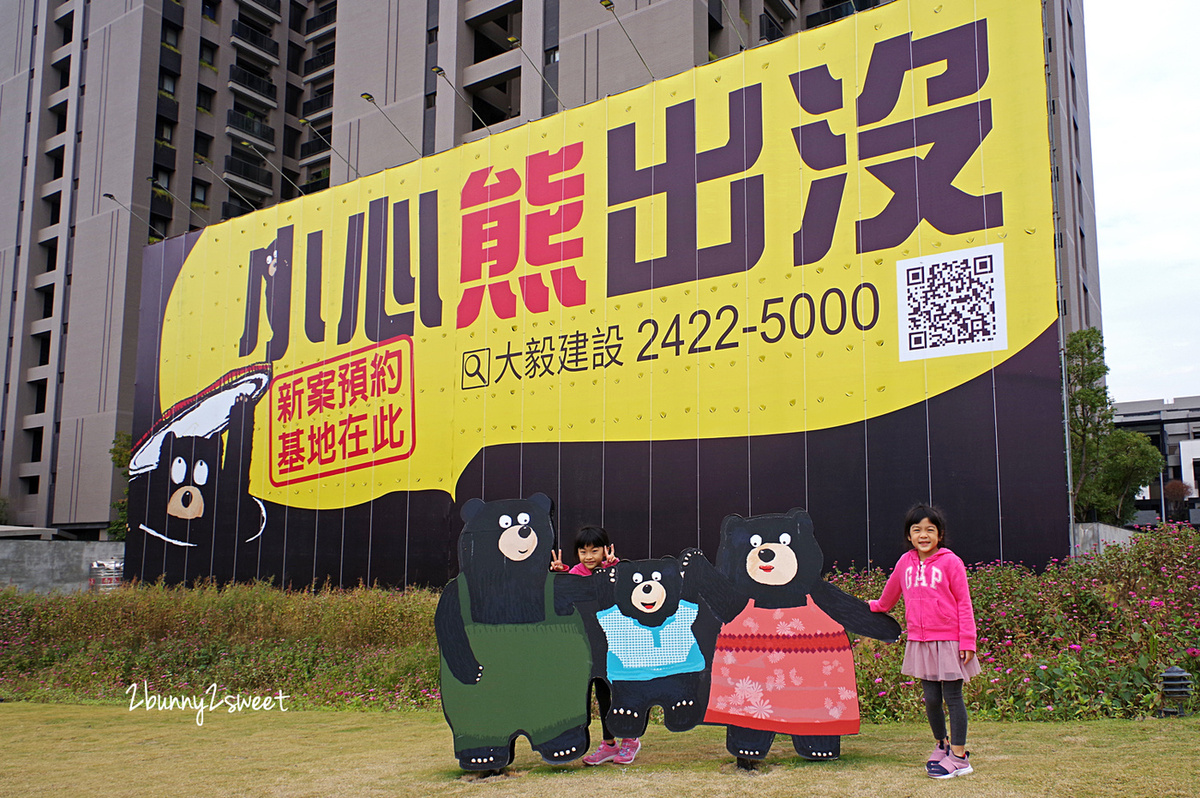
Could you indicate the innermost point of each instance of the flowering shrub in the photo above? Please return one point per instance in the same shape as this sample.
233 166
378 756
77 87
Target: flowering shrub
1088 637
361 648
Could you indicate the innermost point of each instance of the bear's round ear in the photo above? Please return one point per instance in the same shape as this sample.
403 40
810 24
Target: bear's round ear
542 500
471 509
731 521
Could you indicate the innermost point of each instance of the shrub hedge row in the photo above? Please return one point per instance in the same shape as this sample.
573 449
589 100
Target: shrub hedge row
1087 637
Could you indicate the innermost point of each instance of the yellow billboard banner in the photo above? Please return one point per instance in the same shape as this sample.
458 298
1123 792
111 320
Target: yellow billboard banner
811 233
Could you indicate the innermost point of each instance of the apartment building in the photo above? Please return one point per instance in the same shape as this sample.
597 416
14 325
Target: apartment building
124 121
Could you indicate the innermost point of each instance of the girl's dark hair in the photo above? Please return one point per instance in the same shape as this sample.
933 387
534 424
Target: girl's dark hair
920 511
591 536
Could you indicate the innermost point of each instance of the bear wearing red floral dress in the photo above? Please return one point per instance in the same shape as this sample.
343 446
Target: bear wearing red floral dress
784 665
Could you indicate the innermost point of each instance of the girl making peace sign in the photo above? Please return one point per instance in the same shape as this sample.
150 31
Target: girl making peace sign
595 552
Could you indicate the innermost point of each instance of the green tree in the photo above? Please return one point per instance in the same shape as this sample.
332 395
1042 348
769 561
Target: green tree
121 452
1108 465
1130 460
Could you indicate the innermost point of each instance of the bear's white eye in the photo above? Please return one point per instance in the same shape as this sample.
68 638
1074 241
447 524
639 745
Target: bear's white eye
785 539
656 576
200 472
523 519
755 541
178 470
637 579
505 522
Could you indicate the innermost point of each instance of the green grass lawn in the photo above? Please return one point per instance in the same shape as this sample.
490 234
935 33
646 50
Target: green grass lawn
57 749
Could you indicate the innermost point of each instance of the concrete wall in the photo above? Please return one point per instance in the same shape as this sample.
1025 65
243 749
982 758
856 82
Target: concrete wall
44 566
1090 538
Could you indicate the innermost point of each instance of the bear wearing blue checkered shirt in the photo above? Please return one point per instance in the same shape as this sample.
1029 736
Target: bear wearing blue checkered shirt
659 620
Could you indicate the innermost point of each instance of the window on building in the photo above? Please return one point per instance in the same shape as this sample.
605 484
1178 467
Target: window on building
291 102
165 130
54 207
35 436
491 32
63 68
208 53
67 26
296 17
47 296
295 57
39 396
200 192
163 178
202 147
170 35
204 98
208 9
166 83
31 484
50 251
43 348
159 226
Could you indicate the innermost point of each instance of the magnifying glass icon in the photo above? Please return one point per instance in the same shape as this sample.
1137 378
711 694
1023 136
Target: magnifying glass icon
474 369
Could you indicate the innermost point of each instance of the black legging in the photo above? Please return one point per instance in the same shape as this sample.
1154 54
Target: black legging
951 692
604 698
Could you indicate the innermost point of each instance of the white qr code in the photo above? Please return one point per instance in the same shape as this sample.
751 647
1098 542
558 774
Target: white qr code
952 303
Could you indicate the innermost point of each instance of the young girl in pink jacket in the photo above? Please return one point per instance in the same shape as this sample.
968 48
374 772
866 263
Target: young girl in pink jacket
941 633
597 552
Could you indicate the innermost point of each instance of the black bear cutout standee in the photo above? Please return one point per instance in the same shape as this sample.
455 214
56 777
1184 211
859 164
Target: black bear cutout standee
659 620
189 499
513 663
784 665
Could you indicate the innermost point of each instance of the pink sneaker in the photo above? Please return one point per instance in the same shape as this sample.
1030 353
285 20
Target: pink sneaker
629 751
952 766
939 753
603 753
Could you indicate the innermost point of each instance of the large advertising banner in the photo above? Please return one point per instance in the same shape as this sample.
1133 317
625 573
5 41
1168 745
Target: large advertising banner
819 274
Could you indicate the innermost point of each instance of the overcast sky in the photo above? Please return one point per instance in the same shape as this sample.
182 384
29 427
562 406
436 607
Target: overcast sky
1143 66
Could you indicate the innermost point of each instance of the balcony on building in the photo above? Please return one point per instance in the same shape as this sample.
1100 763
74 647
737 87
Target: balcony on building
241 126
254 41
268 8
161 204
318 107
164 155
319 65
245 82
312 151
317 183
249 176
234 208
317 24
835 11
167 108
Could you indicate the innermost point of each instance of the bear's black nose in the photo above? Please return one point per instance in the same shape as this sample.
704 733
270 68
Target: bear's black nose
766 555
186 498
646 588
524 531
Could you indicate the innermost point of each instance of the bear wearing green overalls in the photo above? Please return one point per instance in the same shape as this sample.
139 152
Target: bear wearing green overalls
511 664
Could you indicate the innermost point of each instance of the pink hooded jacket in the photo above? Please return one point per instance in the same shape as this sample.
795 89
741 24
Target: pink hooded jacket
937 601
